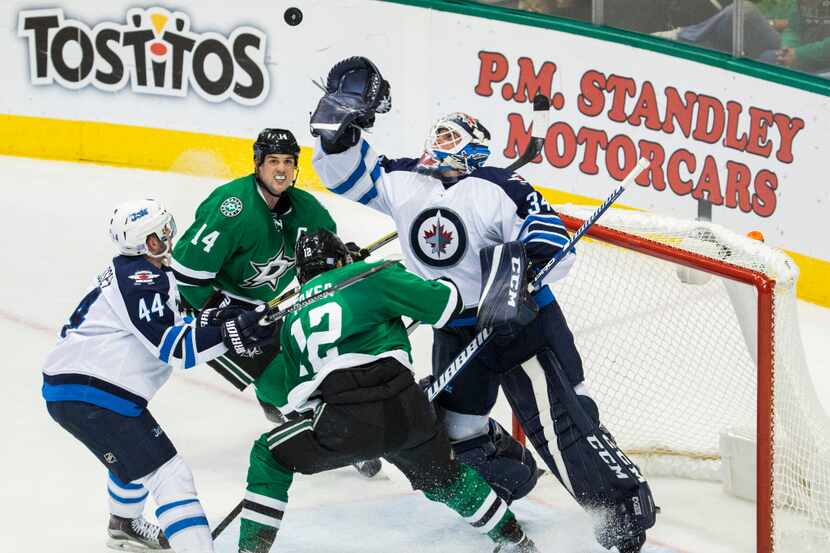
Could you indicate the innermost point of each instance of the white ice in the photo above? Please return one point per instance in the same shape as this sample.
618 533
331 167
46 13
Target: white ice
54 240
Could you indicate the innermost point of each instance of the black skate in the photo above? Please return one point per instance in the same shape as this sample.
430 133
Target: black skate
135 534
526 545
368 468
515 540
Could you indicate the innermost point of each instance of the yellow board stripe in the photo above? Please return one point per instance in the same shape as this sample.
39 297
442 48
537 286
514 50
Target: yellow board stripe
228 157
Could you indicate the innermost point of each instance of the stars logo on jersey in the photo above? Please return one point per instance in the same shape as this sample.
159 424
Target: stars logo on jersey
143 277
269 272
231 207
438 237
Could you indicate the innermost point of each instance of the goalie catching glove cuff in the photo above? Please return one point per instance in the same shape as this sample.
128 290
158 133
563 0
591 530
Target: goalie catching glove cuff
243 333
355 92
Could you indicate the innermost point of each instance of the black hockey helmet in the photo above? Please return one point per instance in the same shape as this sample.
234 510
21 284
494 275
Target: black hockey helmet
318 252
275 141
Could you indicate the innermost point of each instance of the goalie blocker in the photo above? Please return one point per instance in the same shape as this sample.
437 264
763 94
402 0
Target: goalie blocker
592 468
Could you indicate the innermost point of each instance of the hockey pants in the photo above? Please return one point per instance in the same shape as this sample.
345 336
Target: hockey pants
369 412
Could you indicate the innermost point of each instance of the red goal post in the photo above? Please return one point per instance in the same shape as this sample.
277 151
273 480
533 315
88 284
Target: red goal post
687 328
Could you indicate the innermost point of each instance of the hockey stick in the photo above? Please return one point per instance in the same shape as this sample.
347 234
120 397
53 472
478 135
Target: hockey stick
541 115
484 335
288 294
274 314
227 520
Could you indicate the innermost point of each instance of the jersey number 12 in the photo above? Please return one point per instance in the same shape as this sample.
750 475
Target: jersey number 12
318 338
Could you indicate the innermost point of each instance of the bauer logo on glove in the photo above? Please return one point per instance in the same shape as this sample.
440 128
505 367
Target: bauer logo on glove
244 333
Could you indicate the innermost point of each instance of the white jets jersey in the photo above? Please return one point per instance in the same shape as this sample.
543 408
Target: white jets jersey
442 229
122 341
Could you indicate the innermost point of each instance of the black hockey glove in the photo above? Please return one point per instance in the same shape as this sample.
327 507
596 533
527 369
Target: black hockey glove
505 304
243 333
215 316
357 253
355 92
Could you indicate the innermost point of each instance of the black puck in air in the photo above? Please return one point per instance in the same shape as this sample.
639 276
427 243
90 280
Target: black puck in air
293 16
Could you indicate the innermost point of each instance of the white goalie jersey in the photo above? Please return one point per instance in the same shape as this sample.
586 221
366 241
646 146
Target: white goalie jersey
442 229
124 338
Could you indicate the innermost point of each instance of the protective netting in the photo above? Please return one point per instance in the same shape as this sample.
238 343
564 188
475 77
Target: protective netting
670 354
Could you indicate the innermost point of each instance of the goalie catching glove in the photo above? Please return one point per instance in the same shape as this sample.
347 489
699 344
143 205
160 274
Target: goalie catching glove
505 304
243 333
355 92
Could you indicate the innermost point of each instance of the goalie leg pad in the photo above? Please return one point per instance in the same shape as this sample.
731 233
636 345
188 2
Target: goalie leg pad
507 466
602 476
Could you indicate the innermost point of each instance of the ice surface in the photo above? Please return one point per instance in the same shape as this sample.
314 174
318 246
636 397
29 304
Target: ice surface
54 241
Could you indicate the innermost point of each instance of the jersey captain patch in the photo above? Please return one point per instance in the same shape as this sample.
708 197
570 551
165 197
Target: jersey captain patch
269 272
438 237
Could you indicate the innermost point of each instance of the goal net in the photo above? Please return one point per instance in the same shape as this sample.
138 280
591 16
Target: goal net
689 336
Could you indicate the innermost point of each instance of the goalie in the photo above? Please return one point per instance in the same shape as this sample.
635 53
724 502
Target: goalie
448 207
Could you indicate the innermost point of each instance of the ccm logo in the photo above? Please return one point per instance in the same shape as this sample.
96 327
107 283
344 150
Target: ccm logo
513 293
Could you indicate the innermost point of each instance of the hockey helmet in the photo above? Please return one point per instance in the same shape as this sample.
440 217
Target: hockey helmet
456 142
133 221
318 252
275 141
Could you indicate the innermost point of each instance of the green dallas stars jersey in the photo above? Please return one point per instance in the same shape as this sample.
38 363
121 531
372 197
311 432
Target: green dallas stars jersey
355 326
239 246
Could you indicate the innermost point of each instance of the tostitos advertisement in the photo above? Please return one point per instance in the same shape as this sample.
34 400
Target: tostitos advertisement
186 87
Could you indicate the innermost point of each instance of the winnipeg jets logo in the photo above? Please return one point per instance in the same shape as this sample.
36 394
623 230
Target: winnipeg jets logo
269 272
438 237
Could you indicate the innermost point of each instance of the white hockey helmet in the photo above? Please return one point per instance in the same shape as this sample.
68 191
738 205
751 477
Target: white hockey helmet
132 222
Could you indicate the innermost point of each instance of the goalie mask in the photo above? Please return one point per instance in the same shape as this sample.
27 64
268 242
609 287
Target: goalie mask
132 222
456 142
318 252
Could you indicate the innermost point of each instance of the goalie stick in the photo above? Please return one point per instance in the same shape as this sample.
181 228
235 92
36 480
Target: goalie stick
484 335
541 115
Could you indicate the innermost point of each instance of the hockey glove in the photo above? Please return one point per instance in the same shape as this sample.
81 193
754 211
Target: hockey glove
357 253
355 92
505 304
215 316
243 333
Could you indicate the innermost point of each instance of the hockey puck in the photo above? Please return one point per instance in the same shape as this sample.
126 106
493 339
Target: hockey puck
293 16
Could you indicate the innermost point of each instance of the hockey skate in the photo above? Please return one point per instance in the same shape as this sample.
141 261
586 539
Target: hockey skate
368 468
135 534
525 545
515 540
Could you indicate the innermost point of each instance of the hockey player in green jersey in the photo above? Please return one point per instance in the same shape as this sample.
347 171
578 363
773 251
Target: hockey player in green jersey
349 393
241 242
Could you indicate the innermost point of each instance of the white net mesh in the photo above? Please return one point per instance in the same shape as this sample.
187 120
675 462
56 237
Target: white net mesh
670 354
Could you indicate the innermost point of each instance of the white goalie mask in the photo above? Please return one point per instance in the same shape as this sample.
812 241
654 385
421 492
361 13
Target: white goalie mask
132 222
456 142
